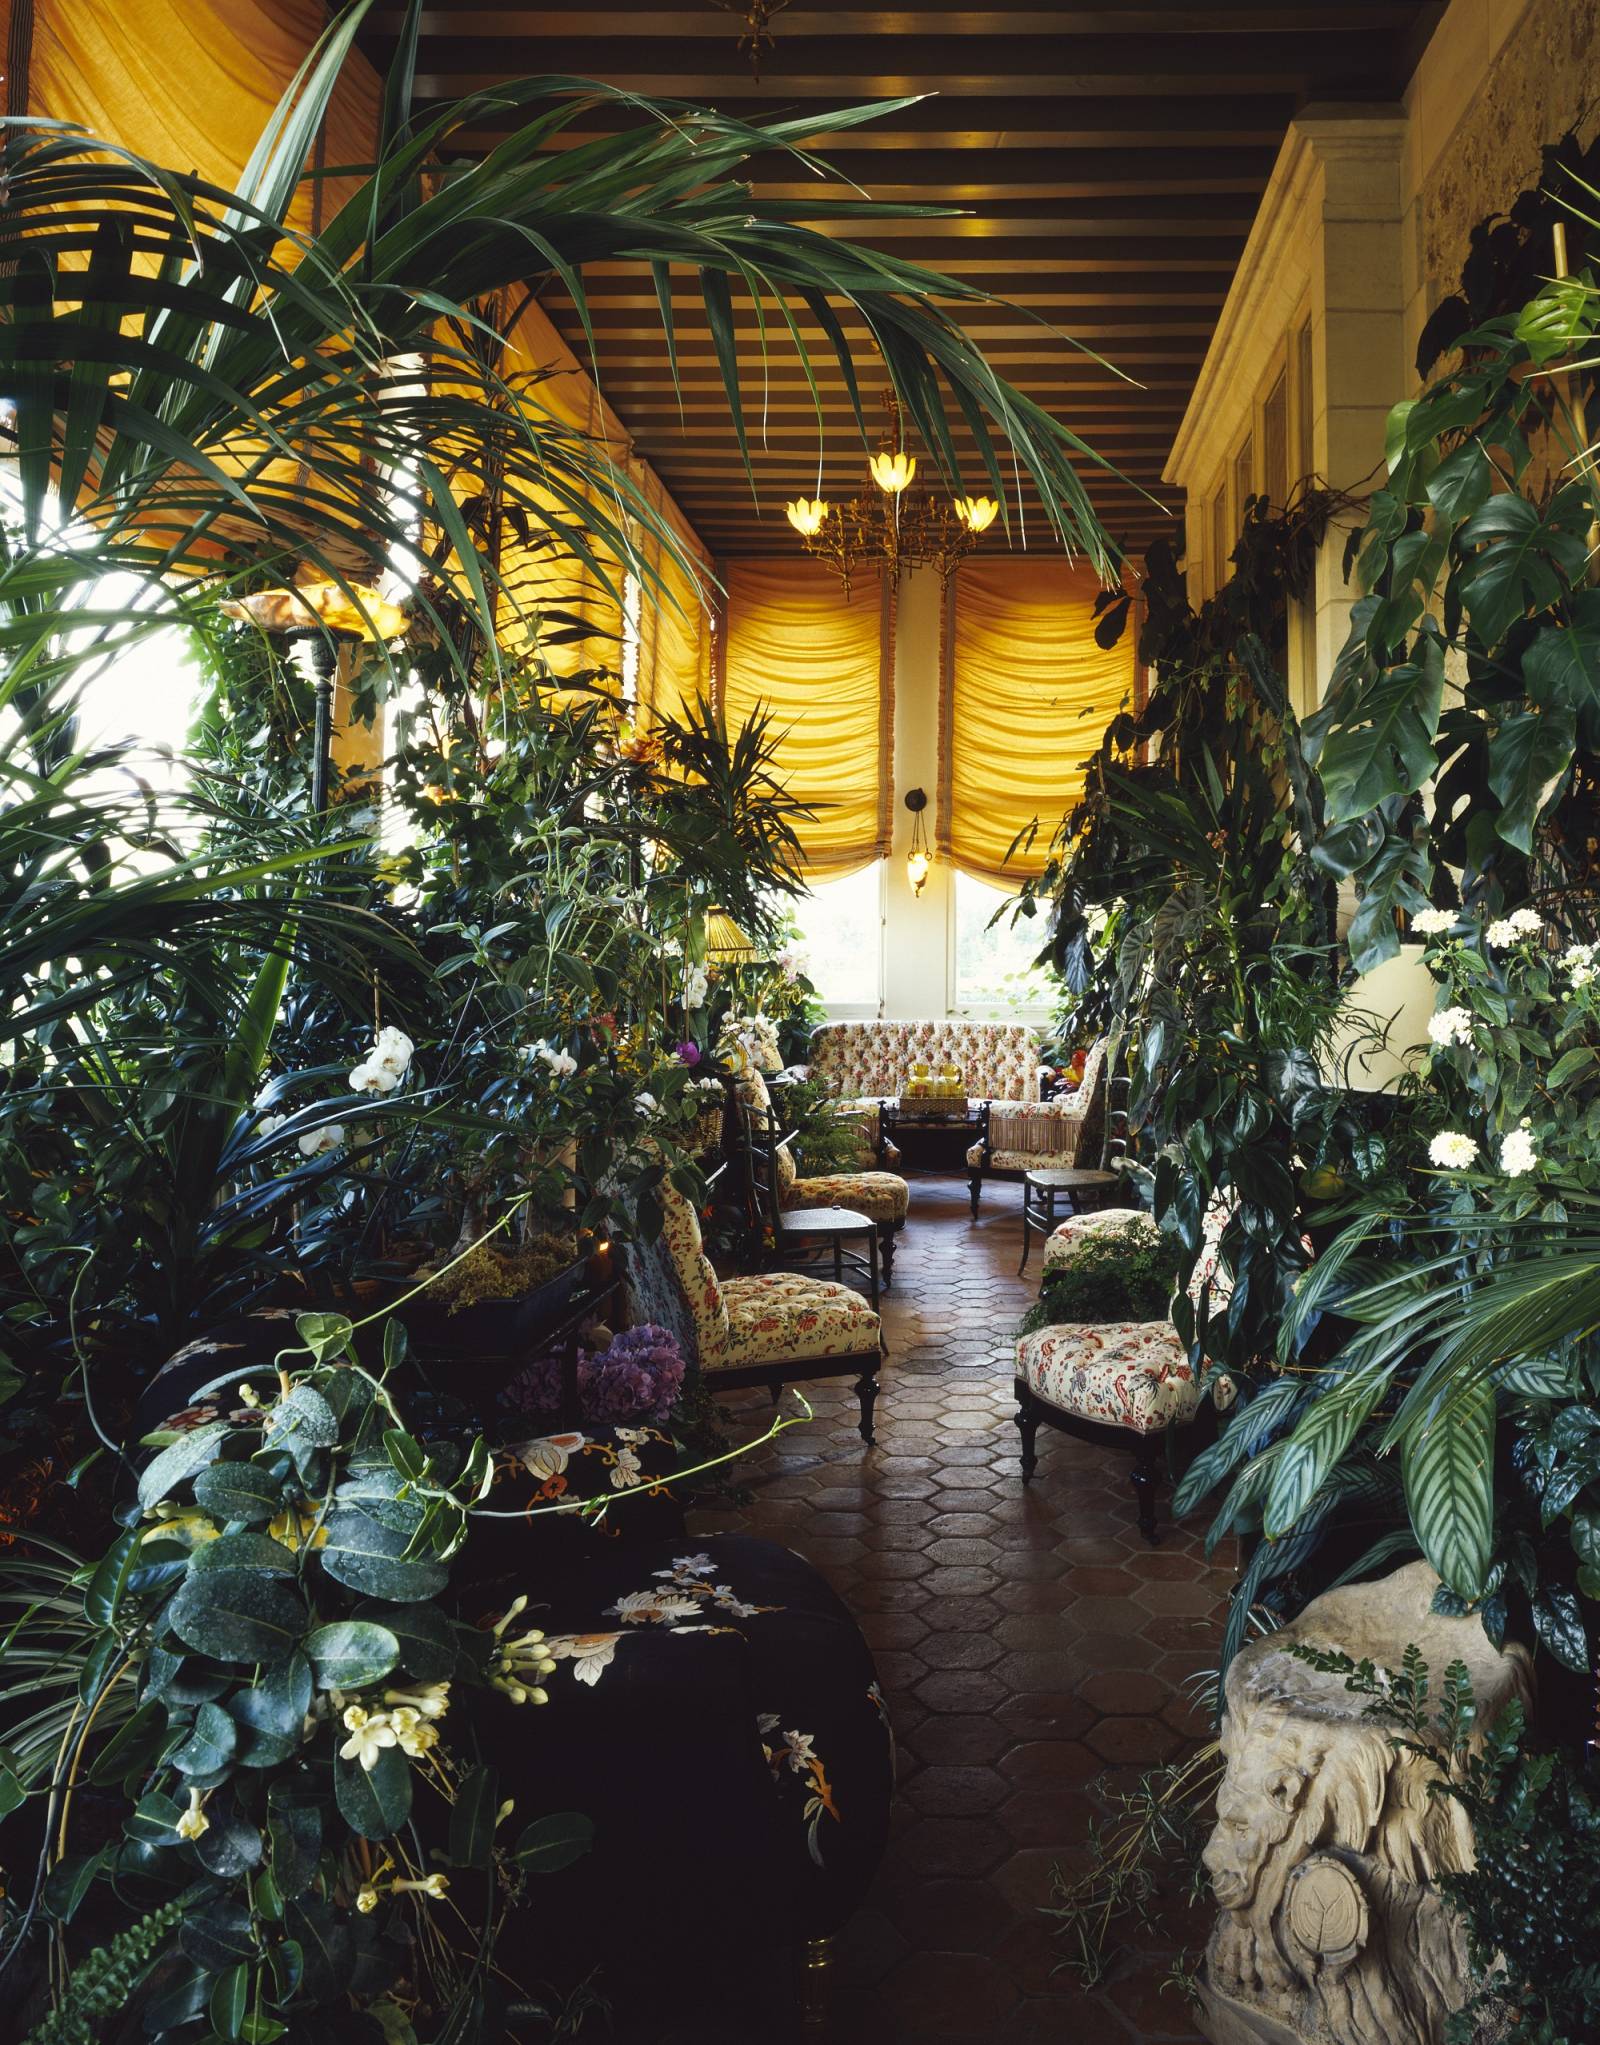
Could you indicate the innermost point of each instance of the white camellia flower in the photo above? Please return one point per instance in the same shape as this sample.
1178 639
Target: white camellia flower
561 1063
317 1142
1452 1151
1517 1154
1434 922
647 1104
1451 1026
270 1124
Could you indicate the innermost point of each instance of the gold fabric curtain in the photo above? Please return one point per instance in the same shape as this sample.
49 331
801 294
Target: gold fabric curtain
825 669
190 83
674 620
1025 697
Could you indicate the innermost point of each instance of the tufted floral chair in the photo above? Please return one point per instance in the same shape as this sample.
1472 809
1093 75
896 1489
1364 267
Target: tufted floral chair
1019 1136
884 1197
1106 1381
773 1328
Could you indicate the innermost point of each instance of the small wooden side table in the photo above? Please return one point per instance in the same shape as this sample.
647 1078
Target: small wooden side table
804 1233
1042 1189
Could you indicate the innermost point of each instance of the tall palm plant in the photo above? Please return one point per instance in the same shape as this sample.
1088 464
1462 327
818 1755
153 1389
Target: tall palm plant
203 396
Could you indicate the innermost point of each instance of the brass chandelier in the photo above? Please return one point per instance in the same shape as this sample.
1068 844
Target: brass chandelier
893 523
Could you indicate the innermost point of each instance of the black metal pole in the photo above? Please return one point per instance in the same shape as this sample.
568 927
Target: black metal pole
325 665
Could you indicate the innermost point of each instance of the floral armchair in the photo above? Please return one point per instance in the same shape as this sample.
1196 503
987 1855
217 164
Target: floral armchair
884 1197
1020 1136
1105 1381
771 1328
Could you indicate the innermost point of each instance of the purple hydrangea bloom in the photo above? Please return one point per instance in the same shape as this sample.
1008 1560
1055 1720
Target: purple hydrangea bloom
637 1378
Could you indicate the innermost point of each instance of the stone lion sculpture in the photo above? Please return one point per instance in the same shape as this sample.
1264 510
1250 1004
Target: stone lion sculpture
1328 1840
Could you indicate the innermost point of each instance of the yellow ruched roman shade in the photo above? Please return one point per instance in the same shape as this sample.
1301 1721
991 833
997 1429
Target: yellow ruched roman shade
1025 697
824 668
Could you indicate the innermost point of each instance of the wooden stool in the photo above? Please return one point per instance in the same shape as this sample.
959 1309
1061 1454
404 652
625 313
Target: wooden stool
1041 1190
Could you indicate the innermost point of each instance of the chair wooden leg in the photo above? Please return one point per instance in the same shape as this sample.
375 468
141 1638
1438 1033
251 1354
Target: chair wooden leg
816 1983
1145 1483
886 1242
975 1189
1027 1420
866 1389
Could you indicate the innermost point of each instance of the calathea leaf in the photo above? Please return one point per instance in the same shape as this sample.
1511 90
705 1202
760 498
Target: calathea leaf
1530 757
1321 1438
238 1615
1448 1469
1558 1620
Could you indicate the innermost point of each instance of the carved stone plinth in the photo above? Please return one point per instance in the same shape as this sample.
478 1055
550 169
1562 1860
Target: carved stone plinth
1327 1841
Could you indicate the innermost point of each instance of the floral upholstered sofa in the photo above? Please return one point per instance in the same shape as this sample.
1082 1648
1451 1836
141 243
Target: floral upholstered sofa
871 1061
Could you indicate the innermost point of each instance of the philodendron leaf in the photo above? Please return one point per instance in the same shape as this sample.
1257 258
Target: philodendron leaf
550 1844
1530 757
1448 1468
369 1558
239 1491
374 1801
179 1461
347 1654
238 1615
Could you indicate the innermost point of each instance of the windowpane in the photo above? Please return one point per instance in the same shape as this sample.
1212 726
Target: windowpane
994 963
841 938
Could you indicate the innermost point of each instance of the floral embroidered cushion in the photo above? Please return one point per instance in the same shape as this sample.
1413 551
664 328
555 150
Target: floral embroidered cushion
1133 1374
784 1316
714 1692
881 1196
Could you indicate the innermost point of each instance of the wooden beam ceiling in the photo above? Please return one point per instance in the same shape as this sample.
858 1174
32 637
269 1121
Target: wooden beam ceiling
1108 160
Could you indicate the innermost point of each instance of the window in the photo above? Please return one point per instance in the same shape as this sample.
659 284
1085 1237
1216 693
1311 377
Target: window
841 940
1275 443
993 966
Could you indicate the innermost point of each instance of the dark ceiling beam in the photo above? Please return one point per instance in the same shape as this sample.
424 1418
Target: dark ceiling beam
945 17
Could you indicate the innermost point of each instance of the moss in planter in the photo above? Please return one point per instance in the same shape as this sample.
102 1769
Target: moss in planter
492 1271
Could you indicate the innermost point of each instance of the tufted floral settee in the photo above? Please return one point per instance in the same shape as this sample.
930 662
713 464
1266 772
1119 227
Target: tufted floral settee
1110 1380
871 1061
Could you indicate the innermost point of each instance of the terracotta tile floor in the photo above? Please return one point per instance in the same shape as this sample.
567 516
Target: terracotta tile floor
1029 1641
